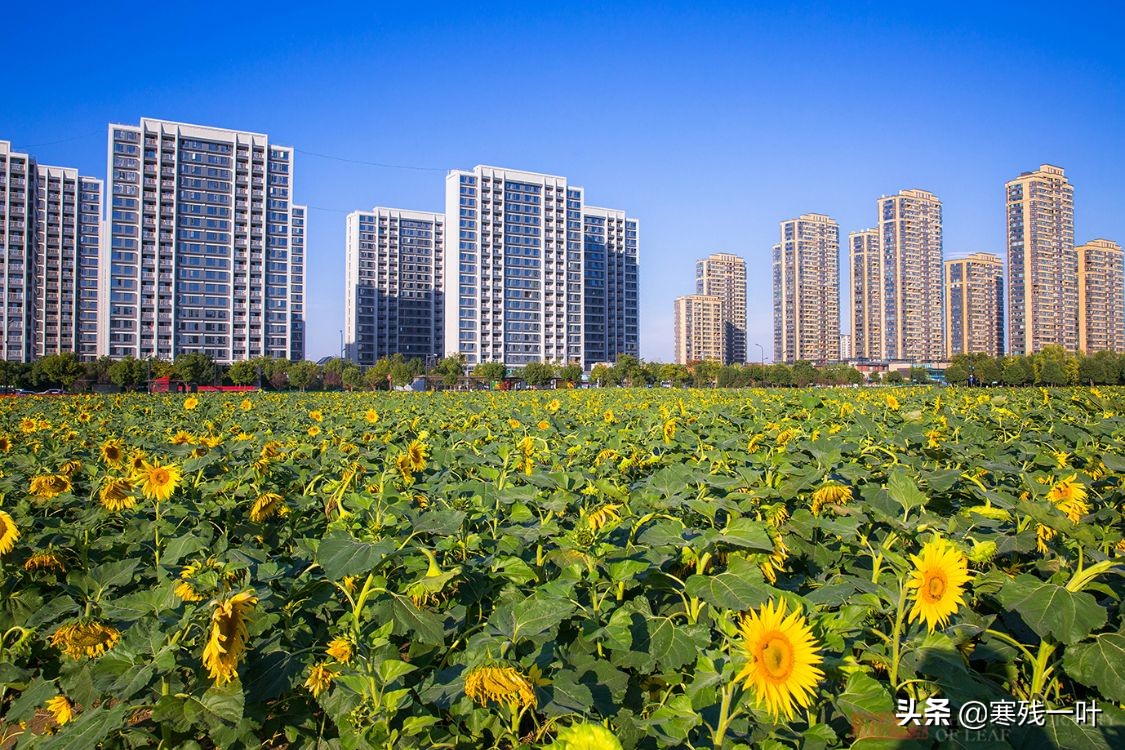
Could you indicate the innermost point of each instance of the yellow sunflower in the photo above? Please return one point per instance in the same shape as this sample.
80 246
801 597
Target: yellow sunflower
504 685
939 577
1069 496
158 482
183 437
316 416
782 659
320 679
9 534
341 650
190 403
417 452
830 493
669 430
227 641
314 430
61 709
267 505
371 416
246 404
47 486
85 638
116 494
602 515
45 561
113 453
5 443
586 736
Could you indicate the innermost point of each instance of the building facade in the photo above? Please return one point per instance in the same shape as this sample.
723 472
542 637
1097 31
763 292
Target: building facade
1042 264
394 298
700 333
200 232
974 305
806 290
910 238
1101 297
19 204
611 302
723 275
867 295
297 282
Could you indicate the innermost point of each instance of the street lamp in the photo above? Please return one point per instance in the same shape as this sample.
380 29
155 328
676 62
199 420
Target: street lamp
763 351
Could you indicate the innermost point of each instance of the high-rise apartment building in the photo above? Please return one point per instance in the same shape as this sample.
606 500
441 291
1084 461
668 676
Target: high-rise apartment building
297 281
699 329
1101 297
515 268
910 239
66 267
394 296
845 346
867 295
724 276
201 230
19 203
806 290
1042 264
611 306
974 305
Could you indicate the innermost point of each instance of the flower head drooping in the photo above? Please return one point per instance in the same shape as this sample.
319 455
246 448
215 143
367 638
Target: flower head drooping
603 515
268 505
116 494
776 561
61 709
340 649
830 493
586 736
227 641
503 685
939 577
158 483
85 638
9 534
113 453
44 561
782 668
320 679
47 486
1069 496
669 430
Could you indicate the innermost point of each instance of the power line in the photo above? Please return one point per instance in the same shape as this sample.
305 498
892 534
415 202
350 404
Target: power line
29 146
381 165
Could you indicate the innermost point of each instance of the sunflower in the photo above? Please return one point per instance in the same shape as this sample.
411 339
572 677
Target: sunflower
246 404
371 416
9 534
602 515
85 638
830 493
776 561
113 453
1069 496
1043 534
417 452
608 417
190 403
28 425
44 561
515 424
316 416
892 402
47 486
314 430
505 685
227 641
782 667
116 494
158 483
553 405
187 592
341 650
183 437
320 679
544 424
61 709
669 430
586 736
939 577
267 505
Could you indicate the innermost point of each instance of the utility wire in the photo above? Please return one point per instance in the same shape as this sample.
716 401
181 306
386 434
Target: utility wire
29 146
381 165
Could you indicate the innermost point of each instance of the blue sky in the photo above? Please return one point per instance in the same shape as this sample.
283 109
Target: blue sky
708 122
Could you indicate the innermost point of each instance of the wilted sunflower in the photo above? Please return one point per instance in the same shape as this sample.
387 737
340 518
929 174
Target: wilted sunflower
776 560
504 685
669 430
340 649
116 494
61 709
1043 534
44 561
320 679
9 534
1069 496
267 505
586 736
782 668
830 493
939 577
5 443
113 453
602 515
85 638
47 486
158 482
227 641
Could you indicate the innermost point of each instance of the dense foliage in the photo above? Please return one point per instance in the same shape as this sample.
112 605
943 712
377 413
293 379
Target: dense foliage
577 567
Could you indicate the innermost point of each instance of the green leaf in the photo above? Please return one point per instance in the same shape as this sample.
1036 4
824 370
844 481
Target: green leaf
1100 665
1052 611
566 695
904 491
421 624
747 534
864 697
674 646
114 573
391 669
89 729
341 554
676 718
739 588
531 617
226 703
35 695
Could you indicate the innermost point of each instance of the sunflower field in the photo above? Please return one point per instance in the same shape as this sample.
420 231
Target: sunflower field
570 569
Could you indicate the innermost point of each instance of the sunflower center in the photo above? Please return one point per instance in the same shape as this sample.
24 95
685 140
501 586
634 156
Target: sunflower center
160 476
776 656
933 587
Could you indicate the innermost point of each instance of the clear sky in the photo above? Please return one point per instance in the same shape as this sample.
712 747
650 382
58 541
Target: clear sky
708 122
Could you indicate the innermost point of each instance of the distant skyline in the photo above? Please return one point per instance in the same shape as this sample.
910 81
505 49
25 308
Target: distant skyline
708 124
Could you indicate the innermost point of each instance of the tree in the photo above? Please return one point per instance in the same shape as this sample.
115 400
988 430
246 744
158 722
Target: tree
59 369
804 374
538 373
244 372
918 375
450 369
401 372
675 373
893 377
1103 368
195 368
129 372
705 373
958 371
1053 365
602 374
1017 371
353 377
490 371
302 374
571 373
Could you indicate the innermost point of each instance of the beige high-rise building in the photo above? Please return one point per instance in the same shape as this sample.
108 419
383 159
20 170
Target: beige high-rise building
806 290
910 237
867 295
974 305
723 275
1101 297
699 329
1042 264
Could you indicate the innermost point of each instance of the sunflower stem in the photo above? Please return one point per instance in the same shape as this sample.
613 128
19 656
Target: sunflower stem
726 716
896 640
